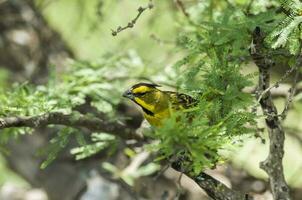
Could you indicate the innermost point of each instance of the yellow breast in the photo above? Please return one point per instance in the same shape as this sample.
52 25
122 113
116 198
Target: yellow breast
158 118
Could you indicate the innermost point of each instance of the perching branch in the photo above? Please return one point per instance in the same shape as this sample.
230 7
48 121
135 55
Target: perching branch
133 21
273 163
74 119
218 190
213 187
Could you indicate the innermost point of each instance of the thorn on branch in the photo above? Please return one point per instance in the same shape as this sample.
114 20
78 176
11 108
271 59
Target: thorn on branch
131 24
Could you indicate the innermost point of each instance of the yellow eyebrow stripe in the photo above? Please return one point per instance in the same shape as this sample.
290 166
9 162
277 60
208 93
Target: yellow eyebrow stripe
140 89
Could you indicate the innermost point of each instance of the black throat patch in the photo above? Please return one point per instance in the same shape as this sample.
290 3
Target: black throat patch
148 112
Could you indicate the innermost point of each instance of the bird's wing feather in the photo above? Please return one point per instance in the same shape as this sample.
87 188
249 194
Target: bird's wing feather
181 101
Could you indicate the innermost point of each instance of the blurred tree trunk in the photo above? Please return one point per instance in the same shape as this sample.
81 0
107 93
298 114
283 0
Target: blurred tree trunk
28 46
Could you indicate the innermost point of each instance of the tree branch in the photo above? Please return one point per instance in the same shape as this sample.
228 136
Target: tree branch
282 91
275 85
217 190
213 187
273 163
133 21
74 119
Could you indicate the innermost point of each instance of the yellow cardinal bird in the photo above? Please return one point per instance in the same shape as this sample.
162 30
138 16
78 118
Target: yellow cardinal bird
156 104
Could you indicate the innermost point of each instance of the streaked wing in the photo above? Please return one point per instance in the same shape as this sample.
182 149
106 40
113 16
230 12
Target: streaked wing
181 101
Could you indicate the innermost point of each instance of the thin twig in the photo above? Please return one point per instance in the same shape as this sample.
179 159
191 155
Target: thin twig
287 73
181 6
292 92
280 92
160 41
161 171
295 133
179 187
133 21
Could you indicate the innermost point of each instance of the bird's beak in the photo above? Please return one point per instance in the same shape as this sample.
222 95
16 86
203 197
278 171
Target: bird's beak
128 94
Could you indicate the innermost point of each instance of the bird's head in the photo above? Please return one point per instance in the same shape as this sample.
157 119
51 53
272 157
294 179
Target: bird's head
144 94
141 91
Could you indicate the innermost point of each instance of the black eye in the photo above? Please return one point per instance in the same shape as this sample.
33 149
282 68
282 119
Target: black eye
140 94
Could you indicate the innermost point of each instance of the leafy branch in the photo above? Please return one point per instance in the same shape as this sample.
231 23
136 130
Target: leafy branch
213 187
287 33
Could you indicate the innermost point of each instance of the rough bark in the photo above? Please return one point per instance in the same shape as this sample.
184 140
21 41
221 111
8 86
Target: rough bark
74 119
218 190
273 164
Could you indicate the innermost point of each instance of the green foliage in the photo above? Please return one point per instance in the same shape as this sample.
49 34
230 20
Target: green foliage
221 118
23 100
287 34
101 142
12 133
81 80
216 50
57 144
